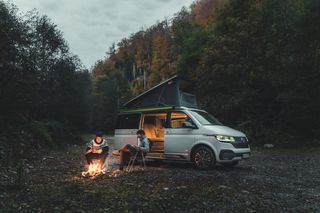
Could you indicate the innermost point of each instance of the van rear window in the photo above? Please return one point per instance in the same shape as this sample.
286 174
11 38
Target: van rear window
128 121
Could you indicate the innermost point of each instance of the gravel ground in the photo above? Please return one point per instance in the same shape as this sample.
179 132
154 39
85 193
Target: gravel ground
270 181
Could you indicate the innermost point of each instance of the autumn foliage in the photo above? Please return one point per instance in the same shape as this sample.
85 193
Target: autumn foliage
255 64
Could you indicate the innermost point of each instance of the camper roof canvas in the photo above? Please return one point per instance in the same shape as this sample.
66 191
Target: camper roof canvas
174 92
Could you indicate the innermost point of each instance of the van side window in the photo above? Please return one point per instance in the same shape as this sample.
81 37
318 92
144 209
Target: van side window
177 120
128 121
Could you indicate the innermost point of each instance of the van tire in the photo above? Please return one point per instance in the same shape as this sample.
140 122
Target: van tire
203 158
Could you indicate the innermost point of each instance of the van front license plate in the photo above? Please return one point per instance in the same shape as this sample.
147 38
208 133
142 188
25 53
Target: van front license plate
246 155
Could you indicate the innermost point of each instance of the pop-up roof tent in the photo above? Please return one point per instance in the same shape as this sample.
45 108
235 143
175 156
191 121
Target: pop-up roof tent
174 92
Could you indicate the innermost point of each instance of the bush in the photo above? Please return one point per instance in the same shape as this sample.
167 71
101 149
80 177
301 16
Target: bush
42 134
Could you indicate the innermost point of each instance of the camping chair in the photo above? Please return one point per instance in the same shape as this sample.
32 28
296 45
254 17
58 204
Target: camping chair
138 156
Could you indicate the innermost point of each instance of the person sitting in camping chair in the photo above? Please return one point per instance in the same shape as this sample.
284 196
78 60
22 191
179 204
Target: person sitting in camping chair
130 150
97 149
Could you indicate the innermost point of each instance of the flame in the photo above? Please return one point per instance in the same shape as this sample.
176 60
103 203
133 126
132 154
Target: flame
94 169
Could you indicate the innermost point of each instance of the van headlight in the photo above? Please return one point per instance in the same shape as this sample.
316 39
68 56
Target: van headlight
226 139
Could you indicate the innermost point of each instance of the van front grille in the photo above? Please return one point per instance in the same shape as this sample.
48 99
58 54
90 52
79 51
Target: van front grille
240 142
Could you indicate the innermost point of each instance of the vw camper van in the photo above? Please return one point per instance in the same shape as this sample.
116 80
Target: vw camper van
177 129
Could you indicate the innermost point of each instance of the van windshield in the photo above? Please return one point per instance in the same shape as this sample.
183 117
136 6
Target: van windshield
205 118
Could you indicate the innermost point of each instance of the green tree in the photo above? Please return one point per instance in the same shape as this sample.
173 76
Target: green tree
41 83
108 93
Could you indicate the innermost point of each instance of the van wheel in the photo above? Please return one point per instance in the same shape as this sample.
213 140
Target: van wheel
203 158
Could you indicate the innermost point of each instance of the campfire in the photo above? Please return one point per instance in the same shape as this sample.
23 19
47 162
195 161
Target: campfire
94 169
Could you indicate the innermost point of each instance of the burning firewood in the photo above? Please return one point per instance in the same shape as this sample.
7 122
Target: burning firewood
94 170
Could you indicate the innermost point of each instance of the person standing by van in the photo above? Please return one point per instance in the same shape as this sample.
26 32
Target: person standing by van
97 149
130 150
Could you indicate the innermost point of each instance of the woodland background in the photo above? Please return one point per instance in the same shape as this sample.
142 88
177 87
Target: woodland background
255 64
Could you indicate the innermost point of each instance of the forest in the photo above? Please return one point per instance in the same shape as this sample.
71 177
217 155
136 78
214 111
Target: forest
44 90
255 65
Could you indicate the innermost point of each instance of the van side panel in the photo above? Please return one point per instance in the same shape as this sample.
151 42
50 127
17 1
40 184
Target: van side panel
124 137
126 128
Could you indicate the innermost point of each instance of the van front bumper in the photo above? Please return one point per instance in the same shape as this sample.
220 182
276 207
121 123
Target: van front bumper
226 155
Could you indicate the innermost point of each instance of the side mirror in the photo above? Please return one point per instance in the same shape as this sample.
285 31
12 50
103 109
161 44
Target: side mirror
188 124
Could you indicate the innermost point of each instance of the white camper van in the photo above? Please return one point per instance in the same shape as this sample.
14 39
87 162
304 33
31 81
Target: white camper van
179 132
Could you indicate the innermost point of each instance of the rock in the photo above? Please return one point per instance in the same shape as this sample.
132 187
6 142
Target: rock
224 187
268 145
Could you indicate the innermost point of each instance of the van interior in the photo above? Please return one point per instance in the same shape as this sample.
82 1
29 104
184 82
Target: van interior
154 125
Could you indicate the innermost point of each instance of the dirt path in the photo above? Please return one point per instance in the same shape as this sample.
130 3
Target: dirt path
268 182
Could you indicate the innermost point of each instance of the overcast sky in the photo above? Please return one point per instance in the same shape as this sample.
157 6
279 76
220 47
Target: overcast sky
91 26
